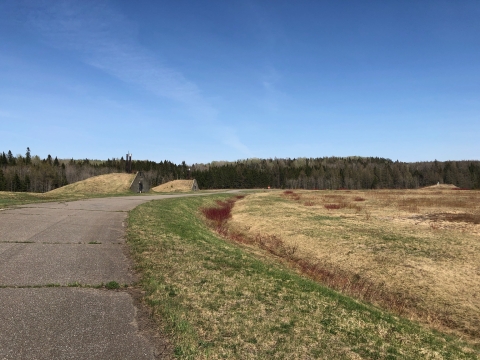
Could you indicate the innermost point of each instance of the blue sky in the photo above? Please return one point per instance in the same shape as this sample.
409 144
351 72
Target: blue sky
227 80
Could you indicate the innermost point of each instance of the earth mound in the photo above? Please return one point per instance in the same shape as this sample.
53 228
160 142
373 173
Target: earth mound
175 186
440 187
103 184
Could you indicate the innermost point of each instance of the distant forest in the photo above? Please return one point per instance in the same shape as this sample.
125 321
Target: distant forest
33 174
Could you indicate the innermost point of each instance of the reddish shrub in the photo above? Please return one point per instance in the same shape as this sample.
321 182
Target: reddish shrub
217 214
291 195
358 198
332 206
221 213
309 203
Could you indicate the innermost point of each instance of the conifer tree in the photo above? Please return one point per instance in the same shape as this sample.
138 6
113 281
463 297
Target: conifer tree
17 183
28 157
26 184
3 182
10 158
3 159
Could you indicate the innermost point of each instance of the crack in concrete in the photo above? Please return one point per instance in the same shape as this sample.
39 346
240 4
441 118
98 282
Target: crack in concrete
11 252
54 208
123 287
62 243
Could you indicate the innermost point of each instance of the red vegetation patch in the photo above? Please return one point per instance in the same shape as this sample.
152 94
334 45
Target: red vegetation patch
219 214
291 195
358 198
332 206
309 203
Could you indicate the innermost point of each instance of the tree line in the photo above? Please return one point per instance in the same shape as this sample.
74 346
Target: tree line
33 174
336 173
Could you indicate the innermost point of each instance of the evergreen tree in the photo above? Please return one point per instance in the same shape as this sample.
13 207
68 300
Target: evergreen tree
26 184
28 157
17 183
3 159
10 158
3 182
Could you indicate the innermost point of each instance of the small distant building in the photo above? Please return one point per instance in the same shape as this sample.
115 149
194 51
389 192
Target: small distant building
195 185
140 184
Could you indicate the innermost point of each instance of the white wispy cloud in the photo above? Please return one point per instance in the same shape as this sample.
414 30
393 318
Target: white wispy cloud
104 38
107 40
273 97
231 139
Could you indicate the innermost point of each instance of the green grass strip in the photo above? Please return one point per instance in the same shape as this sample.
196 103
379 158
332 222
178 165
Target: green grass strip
217 300
9 199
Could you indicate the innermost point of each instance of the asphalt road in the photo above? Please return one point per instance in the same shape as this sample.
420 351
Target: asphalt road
46 247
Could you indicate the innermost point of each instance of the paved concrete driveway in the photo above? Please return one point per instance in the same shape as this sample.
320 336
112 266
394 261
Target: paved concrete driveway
46 247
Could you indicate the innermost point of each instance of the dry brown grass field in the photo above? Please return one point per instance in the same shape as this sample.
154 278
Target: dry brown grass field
414 252
175 186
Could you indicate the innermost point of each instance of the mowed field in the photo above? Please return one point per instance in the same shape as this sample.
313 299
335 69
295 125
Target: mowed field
414 252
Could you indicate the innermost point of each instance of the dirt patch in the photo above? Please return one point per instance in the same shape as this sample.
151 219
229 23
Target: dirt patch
461 217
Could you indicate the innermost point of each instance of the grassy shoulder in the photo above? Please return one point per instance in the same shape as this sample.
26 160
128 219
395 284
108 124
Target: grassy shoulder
218 300
8 199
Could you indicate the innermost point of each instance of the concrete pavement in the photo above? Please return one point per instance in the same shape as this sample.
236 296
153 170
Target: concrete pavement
46 247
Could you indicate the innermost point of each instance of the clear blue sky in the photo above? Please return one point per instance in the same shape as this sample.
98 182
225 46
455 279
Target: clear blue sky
226 80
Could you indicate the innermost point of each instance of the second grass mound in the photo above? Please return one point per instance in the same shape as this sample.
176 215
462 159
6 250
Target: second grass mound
175 186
